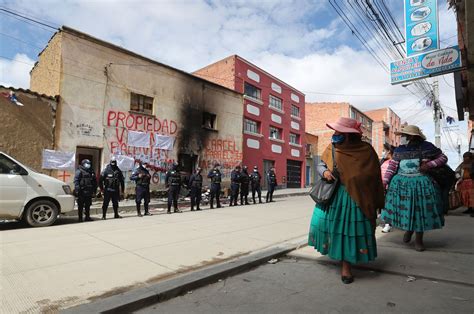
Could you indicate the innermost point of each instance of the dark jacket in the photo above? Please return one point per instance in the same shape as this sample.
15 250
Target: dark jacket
195 181
271 178
85 182
255 179
215 176
144 180
235 177
173 178
244 178
112 180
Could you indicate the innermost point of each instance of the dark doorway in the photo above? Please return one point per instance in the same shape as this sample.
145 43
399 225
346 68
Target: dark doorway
187 163
267 165
293 174
91 153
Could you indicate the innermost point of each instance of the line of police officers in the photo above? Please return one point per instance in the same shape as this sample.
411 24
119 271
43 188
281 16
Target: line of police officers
112 185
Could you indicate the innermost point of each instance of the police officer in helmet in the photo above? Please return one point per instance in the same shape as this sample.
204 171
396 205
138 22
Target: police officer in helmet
235 176
272 184
216 178
142 179
244 186
195 184
85 186
255 182
173 184
112 184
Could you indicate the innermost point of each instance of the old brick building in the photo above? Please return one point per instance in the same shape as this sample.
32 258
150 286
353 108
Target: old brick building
386 123
274 118
318 114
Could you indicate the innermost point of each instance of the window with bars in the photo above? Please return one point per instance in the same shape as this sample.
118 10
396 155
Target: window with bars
251 126
295 111
276 102
141 103
294 138
252 91
275 133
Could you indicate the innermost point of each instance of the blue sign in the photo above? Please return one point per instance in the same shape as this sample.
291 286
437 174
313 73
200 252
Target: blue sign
424 65
421 26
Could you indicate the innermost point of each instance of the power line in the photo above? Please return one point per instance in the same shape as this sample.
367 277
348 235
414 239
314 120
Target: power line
28 19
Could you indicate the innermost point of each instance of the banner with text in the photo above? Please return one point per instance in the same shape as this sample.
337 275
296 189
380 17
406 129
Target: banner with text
56 160
421 26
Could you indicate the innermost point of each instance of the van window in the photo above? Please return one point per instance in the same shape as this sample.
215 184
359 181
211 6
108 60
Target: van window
6 165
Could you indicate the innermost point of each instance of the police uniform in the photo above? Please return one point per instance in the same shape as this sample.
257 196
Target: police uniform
85 186
244 187
216 179
111 183
255 179
272 183
234 186
173 183
195 184
142 178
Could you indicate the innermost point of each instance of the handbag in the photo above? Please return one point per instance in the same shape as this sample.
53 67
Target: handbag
323 191
443 175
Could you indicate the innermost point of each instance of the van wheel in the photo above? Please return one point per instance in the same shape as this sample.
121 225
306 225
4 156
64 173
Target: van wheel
41 213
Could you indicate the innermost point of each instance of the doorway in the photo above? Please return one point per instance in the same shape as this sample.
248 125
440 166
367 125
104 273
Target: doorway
267 165
91 153
293 174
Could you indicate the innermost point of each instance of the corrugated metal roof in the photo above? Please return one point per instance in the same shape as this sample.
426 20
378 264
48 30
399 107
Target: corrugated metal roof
28 91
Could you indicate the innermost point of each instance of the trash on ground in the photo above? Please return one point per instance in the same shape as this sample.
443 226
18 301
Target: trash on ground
273 261
411 279
190 292
390 304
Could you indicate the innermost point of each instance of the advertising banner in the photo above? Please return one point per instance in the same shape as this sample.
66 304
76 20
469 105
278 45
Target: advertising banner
421 26
425 65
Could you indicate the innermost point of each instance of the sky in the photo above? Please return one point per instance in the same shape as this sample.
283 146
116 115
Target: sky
302 42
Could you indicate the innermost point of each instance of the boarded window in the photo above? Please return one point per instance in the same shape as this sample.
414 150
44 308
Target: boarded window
141 103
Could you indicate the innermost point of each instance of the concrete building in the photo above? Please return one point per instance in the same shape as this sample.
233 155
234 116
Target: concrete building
27 125
312 158
108 94
274 123
318 114
386 123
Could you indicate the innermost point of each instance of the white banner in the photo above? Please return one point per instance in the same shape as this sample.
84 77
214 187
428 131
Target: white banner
138 139
164 142
125 163
58 160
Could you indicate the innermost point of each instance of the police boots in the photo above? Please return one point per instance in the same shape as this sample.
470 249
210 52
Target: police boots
139 212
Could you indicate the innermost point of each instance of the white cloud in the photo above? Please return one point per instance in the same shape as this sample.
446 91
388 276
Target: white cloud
16 73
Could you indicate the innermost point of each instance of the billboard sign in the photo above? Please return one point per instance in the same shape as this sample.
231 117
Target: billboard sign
421 26
425 65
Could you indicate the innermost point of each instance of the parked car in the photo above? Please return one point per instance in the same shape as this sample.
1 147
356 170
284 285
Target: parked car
27 195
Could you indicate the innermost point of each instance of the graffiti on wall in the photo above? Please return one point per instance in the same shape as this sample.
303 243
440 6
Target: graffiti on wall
223 151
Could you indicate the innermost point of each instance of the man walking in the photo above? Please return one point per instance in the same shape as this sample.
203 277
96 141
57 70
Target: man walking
272 183
216 179
255 181
112 184
234 185
85 186
173 184
195 184
244 186
142 179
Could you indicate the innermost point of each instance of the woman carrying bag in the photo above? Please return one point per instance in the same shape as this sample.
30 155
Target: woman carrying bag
344 227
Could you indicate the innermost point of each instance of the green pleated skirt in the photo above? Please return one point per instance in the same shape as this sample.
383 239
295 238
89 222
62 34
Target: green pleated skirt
341 230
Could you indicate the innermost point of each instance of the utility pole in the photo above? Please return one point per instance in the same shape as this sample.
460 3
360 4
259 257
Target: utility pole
436 113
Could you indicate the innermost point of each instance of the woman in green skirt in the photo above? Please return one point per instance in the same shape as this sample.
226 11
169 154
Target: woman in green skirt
344 228
414 200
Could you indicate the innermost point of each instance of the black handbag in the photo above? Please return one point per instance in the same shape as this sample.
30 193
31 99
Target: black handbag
323 191
443 175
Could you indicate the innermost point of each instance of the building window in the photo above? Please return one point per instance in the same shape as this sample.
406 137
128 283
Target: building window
141 103
276 102
295 111
208 120
252 91
353 114
294 138
275 133
251 126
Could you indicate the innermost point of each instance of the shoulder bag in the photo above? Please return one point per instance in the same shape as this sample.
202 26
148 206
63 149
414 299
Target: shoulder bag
323 191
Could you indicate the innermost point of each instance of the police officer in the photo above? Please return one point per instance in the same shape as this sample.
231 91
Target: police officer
255 180
195 184
173 184
142 178
112 184
272 183
234 185
244 186
85 186
216 179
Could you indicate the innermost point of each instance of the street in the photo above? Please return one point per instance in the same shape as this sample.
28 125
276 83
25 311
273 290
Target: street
46 269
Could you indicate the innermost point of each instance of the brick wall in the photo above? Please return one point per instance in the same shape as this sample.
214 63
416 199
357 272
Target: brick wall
221 72
46 74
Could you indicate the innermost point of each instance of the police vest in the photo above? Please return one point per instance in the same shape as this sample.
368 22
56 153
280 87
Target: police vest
255 177
112 179
145 179
235 177
217 178
245 179
197 182
272 178
87 180
175 178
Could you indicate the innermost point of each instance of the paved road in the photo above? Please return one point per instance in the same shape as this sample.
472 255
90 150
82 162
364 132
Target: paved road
46 269
305 282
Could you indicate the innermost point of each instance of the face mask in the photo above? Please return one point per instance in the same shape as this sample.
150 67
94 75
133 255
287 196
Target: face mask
384 154
87 166
113 164
338 138
403 140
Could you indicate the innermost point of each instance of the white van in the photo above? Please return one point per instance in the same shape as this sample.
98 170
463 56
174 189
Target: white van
31 196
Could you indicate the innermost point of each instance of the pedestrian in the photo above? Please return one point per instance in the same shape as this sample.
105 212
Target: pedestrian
235 176
85 187
344 228
216 178
255 179
387 156
271 183
414 200
142 179
465 184
112 185
244 186
173 184
195 185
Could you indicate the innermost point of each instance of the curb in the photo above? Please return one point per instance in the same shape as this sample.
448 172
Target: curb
139 298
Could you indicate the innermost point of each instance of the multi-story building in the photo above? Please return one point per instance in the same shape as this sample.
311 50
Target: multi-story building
319 114
386 123
274 118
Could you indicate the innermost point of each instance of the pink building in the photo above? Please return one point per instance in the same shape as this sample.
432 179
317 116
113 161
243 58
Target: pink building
386 123
274 118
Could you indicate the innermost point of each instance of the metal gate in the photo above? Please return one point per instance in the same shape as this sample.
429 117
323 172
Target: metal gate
293 174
